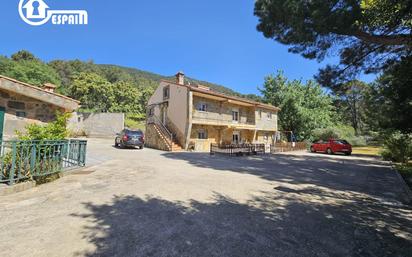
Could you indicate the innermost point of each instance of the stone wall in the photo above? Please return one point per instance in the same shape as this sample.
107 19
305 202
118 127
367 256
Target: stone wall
263 122
22 110
96 124
222 111
153 139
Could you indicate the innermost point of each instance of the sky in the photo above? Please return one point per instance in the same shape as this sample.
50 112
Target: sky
212 40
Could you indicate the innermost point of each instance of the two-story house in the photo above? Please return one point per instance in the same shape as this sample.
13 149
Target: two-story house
183 116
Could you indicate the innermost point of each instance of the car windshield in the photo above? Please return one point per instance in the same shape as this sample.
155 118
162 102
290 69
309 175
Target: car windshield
134 133
343 142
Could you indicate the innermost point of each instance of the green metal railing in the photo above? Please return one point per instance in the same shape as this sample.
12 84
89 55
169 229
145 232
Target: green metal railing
22 160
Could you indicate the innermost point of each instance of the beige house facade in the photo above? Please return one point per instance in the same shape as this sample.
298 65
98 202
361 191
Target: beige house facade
22 104
191 117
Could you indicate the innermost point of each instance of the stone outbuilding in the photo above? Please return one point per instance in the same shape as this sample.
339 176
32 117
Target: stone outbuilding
22 104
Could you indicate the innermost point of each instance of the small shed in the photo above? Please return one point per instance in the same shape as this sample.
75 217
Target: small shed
22 104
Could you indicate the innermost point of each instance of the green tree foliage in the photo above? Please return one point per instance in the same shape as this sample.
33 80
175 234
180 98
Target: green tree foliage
304 106
368 35
23 55
398 147
390 102
339 132
28 69
94 92
350 103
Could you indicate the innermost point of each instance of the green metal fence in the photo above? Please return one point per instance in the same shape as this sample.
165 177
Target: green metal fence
22 160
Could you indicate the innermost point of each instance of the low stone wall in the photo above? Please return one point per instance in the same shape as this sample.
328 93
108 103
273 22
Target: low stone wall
96 124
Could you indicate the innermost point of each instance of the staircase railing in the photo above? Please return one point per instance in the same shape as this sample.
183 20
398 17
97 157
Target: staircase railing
163 129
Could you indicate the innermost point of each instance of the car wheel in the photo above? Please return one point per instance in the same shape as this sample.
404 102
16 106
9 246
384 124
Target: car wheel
312 150
141 148
348 153
116 144
329 151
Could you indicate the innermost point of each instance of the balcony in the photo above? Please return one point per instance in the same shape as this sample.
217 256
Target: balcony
221 119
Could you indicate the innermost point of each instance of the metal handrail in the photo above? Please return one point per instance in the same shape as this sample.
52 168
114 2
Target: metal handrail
162 126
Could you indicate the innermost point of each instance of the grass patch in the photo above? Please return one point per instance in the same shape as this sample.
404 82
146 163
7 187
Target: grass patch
406 172
367 150
135 121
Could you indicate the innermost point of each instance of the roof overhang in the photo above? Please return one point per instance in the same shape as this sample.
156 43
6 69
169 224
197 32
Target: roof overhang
223 97
37 93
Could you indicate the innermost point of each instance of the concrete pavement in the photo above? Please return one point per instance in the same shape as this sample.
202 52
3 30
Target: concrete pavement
152 203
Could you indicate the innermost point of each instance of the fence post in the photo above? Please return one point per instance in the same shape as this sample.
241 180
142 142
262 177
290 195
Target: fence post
33 160
13 164
83 153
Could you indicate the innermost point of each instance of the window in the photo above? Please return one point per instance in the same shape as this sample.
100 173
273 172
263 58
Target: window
166 92
235 115
202 134
260 114
266 136
202 107
151 111
21 114
16 105
269 115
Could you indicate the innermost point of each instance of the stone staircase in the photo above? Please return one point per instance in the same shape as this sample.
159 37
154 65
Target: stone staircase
161 137
172 145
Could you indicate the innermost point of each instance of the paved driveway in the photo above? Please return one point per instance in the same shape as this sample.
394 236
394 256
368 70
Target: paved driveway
152 203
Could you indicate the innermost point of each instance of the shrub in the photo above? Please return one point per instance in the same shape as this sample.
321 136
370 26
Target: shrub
339 132
398 147
56 130
23 148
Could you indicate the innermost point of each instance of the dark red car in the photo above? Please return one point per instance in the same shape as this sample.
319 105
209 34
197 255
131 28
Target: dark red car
331 146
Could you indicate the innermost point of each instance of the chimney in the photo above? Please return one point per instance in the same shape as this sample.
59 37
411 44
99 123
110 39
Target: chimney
49 87
180 78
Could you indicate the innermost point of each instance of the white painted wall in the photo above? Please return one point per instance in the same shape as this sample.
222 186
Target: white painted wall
178 108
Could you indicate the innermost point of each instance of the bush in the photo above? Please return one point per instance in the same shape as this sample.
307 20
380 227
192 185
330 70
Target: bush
339 132
44 161
56 130
398 147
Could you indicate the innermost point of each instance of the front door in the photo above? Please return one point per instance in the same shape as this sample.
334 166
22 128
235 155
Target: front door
2 112
163 114
236 137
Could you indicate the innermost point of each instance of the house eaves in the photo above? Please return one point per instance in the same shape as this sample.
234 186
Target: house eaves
37 93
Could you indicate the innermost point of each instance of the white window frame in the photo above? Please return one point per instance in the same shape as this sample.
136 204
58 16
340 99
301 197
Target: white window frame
202 132
235 110
166 89
236 133
202 107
